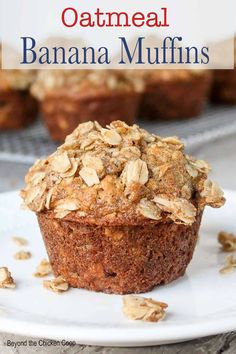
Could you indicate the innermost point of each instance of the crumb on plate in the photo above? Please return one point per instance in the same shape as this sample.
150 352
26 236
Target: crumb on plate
44 268
22 255
20 241
227 241
230 264
141 308
57 285
6 280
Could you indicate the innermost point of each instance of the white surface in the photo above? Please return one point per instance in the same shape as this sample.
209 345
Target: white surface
201 303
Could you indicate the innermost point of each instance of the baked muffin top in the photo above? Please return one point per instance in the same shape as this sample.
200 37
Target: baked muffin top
120 175
15 79
169 75
84 82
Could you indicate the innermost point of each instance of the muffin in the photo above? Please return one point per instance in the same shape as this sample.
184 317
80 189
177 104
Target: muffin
17 107
119 208
70 97
174 94
224 84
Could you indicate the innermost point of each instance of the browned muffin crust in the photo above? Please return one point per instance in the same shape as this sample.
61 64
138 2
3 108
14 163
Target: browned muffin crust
118 259
119 208
174 96
17 109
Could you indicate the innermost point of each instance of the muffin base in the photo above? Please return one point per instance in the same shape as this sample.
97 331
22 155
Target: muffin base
118 259
224 87
17 109
62 114
168 100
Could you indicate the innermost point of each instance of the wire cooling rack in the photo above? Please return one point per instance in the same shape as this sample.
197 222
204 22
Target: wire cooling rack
34 142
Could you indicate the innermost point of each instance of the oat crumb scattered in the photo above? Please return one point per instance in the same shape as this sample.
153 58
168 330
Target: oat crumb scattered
44 268
57 285
227 241
20 241
22 255
141 308
230 265
6 280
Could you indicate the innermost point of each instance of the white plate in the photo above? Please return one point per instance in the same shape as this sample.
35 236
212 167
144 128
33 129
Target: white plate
201 303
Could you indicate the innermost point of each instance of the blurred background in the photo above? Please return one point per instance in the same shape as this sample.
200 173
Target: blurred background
38 110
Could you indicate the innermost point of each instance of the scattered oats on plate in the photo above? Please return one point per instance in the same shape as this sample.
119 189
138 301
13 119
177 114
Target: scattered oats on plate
20 241
141 308
44 268
57 285
6 280
230 264
227 241
22 255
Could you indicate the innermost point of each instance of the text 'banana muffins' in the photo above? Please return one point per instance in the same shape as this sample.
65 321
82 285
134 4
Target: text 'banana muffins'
17 107
119 208
174 94
70 97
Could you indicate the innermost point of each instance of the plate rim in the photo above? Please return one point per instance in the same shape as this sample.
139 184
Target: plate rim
95 336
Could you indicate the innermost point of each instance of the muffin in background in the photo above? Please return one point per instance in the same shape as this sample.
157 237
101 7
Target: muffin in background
224 84
70 97
173 94
17 107
119 208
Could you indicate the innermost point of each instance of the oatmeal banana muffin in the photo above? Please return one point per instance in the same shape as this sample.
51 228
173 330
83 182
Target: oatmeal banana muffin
173 94
119 208
17 107
70 97
224 84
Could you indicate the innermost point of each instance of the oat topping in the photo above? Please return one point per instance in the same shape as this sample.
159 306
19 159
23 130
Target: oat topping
93 162
120 171
227 241
89 175
57 285
44 268
111 137
135 171
15 79
20 241
149 209
61 163
144 309
200 165
230 265
191 171
87 82
179 209
166 75
212 193
195 166
65 207
22 255
6 280
174 140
